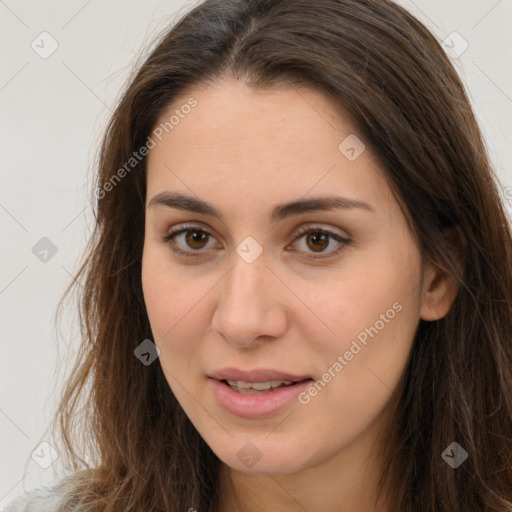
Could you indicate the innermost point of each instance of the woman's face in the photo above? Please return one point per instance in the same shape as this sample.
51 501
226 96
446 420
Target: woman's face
244 294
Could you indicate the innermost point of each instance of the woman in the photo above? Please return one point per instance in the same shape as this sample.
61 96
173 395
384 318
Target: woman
297 293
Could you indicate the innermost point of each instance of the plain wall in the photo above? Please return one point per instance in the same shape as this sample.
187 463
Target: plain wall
54 110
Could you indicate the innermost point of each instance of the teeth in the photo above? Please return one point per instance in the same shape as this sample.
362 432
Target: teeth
260 386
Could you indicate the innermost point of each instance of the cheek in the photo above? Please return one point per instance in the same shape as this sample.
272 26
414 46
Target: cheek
167 312
378 296
165 295
176 310
373 313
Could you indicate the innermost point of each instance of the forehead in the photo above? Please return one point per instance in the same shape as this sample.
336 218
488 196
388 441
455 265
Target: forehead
263 145
229 112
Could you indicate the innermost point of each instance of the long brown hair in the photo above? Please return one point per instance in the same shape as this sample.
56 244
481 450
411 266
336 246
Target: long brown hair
399 87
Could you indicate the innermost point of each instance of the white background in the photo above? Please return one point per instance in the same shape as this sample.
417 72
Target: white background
53 113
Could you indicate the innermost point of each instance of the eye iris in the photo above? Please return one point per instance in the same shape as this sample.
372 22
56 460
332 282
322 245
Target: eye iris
315 237
194 237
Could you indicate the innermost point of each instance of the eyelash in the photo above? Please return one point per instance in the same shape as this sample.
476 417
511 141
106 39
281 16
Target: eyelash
310 229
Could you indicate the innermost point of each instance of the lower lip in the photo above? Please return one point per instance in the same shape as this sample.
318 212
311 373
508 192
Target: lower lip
256 406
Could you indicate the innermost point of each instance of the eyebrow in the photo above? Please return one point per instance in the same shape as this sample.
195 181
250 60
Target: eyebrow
278 212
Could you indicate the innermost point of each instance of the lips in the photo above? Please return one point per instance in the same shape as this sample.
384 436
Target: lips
254 404
251 403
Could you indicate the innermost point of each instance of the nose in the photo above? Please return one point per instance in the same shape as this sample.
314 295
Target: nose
249 309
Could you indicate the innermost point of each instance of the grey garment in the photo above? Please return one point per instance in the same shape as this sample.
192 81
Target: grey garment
41 499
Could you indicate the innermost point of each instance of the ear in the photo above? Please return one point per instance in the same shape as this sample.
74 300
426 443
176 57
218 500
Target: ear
440 286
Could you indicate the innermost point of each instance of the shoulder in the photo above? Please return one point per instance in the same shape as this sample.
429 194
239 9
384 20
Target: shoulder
41 499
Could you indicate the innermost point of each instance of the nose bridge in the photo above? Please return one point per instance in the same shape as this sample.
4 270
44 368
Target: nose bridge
245 289
247 306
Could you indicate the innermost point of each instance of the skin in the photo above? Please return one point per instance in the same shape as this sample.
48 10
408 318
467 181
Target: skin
244 151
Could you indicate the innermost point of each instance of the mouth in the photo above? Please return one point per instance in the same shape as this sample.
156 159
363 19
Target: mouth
256 394
256 376
259 388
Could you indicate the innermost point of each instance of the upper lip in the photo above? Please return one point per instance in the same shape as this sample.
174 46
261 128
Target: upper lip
256 375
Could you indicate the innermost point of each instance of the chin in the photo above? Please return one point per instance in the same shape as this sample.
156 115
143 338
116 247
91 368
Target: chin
261 457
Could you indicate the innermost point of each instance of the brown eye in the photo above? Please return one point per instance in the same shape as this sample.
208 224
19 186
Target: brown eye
193 241
189 241
317 241
196 239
